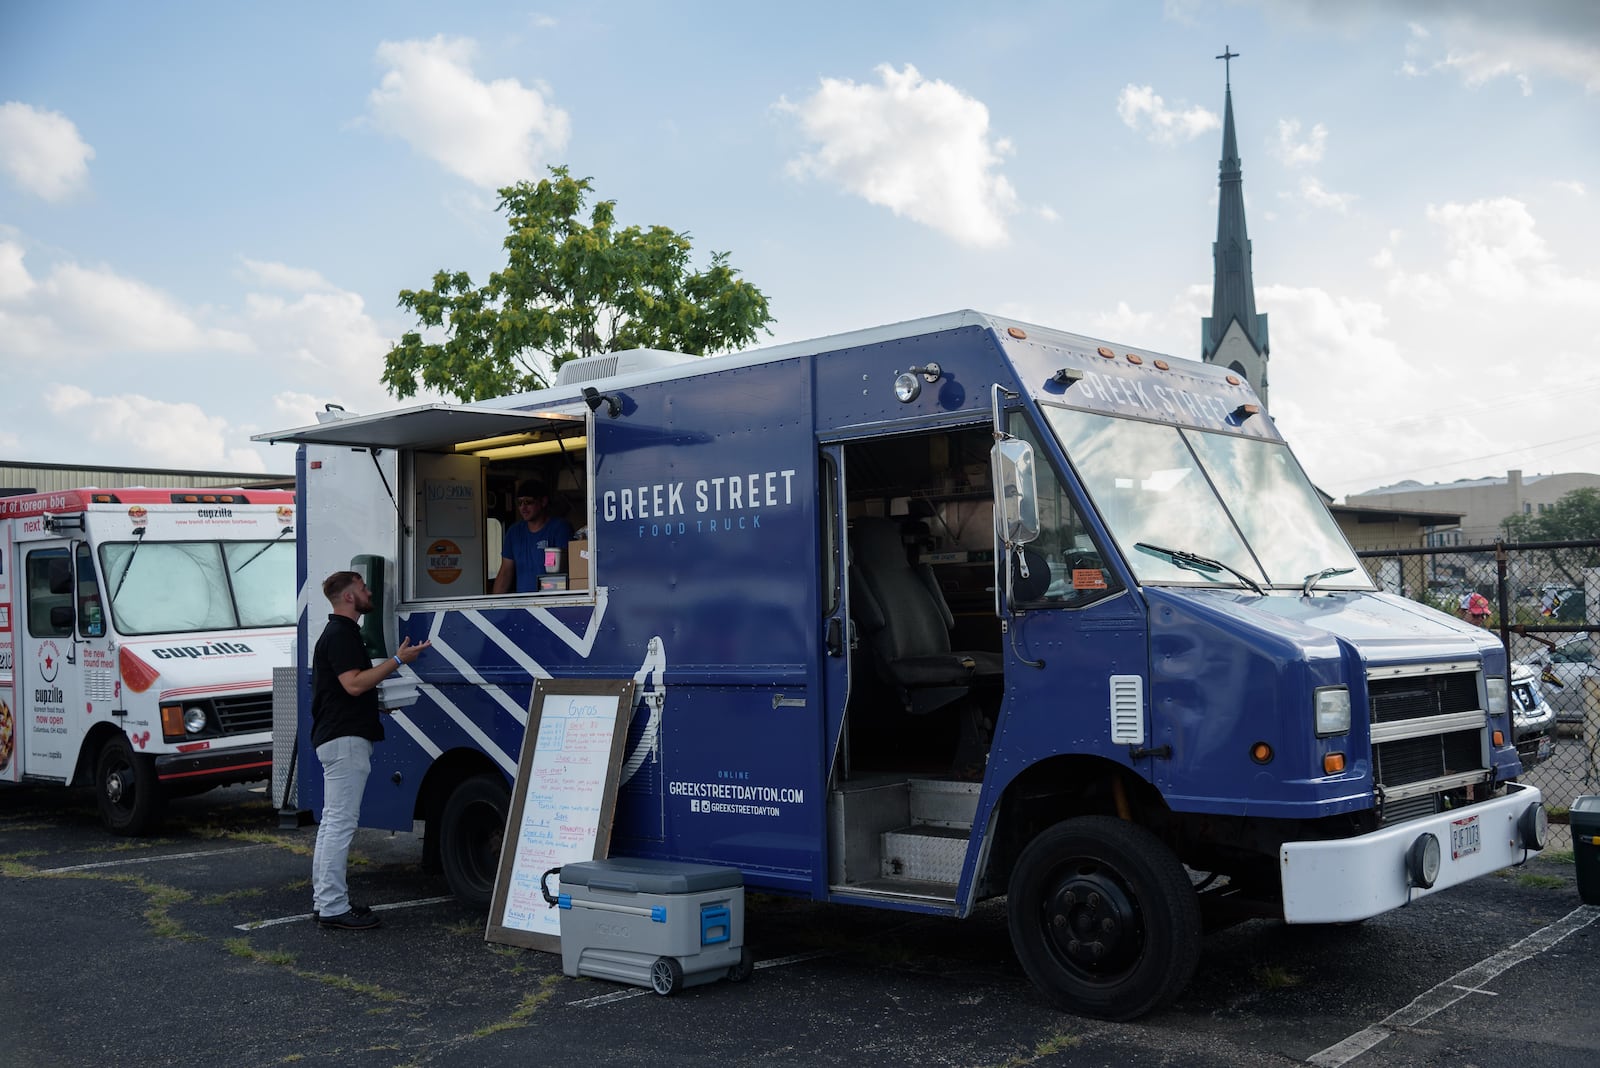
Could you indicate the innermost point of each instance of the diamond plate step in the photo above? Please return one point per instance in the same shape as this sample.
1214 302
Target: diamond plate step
924 854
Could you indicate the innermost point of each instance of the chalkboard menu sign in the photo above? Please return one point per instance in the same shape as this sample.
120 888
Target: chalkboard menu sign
562 807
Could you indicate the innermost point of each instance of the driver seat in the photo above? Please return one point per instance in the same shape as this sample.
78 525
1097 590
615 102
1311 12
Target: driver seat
906 622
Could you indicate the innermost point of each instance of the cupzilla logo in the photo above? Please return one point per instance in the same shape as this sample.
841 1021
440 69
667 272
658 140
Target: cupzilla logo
201 652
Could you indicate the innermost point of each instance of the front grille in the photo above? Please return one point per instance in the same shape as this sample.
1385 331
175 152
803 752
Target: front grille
246 714
1428 757
1416 697
1411 808
1453 751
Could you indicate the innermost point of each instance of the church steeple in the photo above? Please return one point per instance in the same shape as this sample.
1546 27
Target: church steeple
1234 335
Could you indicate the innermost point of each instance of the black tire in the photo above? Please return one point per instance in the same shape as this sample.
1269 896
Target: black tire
1103 918
666 976
472 827
744 969
126 788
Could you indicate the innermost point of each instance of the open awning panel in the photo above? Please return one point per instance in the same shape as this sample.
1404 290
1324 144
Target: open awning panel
426 425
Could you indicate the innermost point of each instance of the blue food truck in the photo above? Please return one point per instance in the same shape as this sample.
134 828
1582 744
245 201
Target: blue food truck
924 615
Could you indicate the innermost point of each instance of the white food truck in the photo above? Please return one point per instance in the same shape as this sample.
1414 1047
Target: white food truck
138 633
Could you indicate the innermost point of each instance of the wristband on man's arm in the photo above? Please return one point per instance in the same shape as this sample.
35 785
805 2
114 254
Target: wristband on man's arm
398 663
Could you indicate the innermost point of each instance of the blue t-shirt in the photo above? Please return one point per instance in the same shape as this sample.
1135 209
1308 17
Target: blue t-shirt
525 549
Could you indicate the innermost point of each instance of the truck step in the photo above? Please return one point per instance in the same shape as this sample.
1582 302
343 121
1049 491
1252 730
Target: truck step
925 854
944 802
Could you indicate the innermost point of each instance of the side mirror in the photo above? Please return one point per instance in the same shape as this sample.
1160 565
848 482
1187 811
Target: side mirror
1016 497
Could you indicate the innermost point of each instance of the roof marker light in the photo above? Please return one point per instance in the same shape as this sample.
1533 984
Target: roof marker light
1017 332
1135 359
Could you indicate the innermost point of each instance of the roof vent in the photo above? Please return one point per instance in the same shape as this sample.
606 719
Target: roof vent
609 364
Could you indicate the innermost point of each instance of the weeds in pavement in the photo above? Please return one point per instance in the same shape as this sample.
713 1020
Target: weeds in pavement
1274 977
1056 1043
525 1010
1533 881
241 947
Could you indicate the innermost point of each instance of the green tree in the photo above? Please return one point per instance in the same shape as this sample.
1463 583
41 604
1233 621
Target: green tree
1575 517
571 287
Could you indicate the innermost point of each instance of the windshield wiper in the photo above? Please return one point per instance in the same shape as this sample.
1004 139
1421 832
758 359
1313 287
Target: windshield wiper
127 564
1203 564
1317 576
264 548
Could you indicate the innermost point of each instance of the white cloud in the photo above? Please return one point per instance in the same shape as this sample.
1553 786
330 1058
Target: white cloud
1122 323
326 342
15 281
91 311
1312 192
165 433
920 148
490 133
1142 110
1573 186
1518 41
282 276
1295 152
1047 213
1496 253
42 151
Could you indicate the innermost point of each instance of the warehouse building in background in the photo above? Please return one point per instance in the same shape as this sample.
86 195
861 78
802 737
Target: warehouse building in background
23 477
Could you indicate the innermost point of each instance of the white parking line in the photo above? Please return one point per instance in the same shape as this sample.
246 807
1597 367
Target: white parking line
624 995
1453 989
256 925
145 860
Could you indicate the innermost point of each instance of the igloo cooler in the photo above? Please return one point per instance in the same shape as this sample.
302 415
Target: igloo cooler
654 923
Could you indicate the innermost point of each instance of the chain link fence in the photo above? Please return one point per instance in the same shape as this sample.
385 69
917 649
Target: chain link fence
1542 599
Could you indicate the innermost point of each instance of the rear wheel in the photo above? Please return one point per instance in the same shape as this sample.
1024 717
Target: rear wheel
471 830
1103 918
125 787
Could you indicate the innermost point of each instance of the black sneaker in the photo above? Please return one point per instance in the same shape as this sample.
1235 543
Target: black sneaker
350 920
355 910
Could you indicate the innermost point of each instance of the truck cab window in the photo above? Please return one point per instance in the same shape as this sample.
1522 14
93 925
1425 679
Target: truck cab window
1079 574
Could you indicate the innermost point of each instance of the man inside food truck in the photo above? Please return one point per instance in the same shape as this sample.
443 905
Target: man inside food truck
535 530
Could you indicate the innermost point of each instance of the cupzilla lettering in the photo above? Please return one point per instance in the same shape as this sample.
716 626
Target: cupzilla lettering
196 652
214 513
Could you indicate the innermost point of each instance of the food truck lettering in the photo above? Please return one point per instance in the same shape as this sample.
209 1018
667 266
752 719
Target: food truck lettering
726 502
200 652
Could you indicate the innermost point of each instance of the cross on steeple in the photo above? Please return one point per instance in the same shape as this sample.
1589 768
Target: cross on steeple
1227 55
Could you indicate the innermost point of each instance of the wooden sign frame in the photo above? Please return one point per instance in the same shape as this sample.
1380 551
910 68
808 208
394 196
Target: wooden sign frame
535 835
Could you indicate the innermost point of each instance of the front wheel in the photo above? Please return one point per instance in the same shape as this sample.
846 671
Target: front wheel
1103 918
125 786
471 830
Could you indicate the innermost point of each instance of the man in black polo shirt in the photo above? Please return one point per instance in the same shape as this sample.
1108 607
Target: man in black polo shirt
344 724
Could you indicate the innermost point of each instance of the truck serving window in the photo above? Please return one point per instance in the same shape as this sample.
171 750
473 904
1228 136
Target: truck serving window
466 501
1243 502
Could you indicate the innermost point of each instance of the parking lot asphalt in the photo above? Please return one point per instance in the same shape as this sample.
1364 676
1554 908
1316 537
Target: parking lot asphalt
196 948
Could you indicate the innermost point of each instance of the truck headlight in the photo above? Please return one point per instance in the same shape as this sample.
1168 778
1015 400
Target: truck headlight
194 719
1332 711
1495 689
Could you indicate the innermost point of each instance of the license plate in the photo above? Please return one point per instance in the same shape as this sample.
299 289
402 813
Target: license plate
1464 838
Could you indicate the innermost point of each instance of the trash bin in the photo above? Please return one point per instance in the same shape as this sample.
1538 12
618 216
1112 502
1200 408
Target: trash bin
1585 820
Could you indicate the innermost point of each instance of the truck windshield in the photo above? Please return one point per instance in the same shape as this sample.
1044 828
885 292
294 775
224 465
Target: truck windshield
175 587
1243 502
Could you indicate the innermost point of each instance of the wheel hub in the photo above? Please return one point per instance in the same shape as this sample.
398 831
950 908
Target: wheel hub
118 786
1092 923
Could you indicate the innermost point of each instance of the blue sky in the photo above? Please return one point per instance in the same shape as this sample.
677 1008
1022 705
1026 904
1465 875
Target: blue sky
207 210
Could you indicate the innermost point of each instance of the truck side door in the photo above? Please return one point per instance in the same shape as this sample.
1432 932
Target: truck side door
48 691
